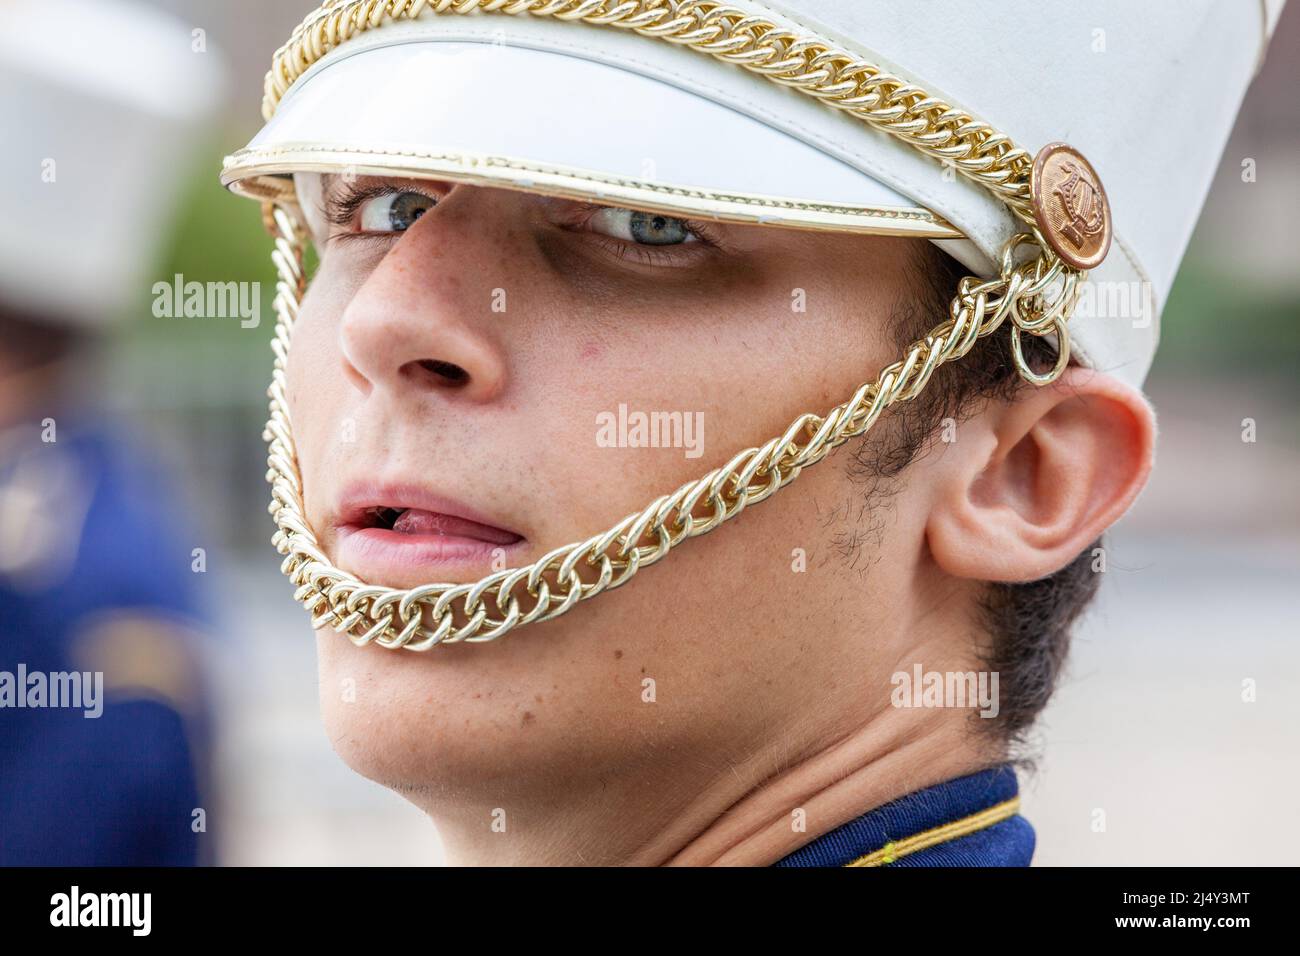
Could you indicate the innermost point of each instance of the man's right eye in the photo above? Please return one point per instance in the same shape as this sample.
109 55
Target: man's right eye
643 228
394 211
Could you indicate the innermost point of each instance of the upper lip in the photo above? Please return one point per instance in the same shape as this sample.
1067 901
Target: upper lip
359 502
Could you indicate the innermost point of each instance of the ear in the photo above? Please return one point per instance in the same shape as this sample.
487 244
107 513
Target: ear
1036 480
310 190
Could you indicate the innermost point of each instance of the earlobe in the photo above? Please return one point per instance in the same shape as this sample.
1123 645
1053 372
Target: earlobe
1056 467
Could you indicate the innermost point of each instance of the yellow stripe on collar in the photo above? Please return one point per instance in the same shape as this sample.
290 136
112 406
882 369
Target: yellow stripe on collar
949 831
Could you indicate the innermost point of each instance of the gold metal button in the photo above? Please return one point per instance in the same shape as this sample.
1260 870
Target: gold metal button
1070 206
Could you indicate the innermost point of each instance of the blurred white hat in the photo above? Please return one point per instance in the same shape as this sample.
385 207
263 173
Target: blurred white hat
99 103
1147 92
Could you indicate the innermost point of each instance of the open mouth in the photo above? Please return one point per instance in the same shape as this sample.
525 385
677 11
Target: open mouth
422 523
404 535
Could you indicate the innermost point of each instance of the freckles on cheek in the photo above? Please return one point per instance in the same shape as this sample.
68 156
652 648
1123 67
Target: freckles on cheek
586 376
316 390
303 367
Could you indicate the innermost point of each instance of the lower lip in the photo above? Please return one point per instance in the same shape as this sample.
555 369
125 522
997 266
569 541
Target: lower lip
391 558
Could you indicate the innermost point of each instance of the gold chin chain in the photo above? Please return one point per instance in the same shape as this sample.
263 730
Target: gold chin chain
1035 291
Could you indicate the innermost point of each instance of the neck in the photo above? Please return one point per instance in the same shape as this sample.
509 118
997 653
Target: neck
742 814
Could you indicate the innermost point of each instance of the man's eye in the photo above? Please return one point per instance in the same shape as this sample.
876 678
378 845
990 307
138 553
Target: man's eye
393 212
644 228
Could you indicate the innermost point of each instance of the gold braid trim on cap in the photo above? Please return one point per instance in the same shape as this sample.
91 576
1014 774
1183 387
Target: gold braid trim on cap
1034 290
727 32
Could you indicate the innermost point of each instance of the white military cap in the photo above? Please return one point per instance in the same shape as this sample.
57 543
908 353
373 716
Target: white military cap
623 102
97 101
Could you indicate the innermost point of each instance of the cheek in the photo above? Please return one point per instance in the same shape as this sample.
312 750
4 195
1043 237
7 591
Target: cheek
717 373
317 390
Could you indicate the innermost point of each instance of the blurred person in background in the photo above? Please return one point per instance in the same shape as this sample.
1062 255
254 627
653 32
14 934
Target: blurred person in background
103 715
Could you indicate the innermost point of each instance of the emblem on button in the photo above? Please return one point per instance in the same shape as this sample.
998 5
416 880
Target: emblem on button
1070 206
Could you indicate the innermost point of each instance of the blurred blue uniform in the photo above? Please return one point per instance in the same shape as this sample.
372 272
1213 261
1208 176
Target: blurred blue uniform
92 578
969 821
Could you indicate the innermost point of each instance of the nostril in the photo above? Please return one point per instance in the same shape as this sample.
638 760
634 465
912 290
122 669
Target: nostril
447 372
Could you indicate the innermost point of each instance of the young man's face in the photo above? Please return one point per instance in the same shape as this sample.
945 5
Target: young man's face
463 353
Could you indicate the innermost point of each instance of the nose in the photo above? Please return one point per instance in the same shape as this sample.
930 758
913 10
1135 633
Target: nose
418 324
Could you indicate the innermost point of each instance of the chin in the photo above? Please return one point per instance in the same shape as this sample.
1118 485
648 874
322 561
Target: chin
475 719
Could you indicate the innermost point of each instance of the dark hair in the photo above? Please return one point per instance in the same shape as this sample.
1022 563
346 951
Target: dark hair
1027 624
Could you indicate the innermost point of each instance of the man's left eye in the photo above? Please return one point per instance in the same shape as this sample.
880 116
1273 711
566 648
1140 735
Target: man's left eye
644 228
394 212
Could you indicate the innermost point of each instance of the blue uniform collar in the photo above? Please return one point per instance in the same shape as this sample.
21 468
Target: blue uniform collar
969 821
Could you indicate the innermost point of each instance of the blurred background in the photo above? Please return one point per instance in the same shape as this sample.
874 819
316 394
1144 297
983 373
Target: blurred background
1149 748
